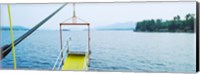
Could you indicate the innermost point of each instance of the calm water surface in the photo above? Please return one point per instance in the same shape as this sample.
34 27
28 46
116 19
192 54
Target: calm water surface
111 50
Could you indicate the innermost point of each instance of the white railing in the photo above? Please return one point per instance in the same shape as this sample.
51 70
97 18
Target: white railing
62 55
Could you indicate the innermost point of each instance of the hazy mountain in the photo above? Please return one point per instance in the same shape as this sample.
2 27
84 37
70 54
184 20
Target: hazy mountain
14 28
118 26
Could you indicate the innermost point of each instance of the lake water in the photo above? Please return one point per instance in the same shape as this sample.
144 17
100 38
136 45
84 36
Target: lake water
111 50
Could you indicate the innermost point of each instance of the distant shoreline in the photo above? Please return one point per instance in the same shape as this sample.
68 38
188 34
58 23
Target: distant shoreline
114 30
167 32
163 32
15 28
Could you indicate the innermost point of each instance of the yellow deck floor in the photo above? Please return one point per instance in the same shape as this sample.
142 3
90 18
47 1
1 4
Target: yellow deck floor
75 62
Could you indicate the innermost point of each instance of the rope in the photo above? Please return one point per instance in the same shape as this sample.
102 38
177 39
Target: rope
67 19
74 17
74 11
12 37
7 48
74 14
82 20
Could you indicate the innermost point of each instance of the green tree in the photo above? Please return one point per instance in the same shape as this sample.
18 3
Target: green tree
174 25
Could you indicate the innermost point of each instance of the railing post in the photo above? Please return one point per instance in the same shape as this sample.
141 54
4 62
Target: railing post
89 45
61 46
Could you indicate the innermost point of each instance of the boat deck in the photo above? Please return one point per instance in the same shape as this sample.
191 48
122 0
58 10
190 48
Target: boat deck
75 62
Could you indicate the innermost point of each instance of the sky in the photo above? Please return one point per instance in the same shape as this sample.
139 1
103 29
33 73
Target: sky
97 14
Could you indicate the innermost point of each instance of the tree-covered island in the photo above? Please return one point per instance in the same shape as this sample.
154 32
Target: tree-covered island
174 25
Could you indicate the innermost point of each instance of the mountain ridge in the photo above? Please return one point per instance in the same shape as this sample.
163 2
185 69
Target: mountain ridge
118 26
